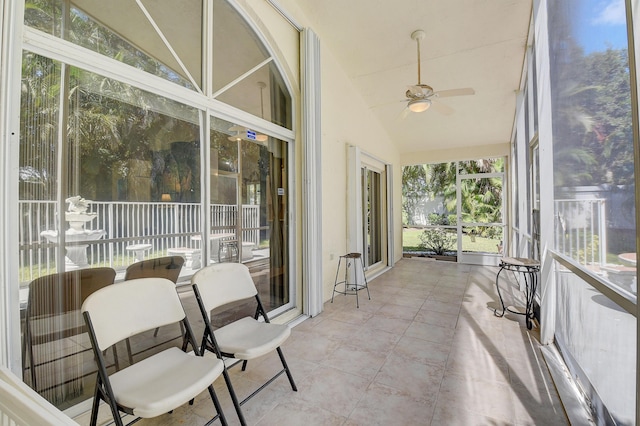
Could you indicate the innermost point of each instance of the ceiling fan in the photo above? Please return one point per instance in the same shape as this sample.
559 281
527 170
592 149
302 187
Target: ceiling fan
421 96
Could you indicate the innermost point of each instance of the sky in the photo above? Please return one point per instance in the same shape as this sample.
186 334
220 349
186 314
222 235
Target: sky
602 25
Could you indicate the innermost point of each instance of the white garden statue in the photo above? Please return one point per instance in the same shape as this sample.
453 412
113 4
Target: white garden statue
77 214
77 204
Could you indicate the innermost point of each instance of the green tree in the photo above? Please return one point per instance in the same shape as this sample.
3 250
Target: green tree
611 135
442 181
414 189
591 101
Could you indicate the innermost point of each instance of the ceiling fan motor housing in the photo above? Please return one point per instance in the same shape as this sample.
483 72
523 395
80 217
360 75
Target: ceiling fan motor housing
419 91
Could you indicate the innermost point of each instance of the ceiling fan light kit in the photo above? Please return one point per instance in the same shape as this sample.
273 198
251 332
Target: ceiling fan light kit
419 105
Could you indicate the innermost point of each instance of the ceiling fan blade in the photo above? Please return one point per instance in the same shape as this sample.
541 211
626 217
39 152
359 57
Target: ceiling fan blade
405 113
383 104
455 92
441 108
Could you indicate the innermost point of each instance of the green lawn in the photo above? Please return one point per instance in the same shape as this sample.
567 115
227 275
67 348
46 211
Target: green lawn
411 242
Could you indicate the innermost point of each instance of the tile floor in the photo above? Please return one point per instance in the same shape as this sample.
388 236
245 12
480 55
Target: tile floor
425 350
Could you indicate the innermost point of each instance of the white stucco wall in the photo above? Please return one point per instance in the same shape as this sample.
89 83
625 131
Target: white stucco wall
346 120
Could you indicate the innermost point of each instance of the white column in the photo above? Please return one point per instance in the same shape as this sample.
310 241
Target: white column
545 137
11 19
311 174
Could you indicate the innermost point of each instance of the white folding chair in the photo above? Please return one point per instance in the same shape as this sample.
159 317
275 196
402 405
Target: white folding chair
157 384
244 339
168 267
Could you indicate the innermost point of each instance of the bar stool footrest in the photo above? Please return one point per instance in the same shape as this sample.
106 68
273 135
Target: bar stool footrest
347 286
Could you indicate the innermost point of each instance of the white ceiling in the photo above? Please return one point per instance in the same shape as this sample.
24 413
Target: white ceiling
469 43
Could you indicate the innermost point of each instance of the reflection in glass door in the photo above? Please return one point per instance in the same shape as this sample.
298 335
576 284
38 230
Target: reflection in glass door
249 209
372 216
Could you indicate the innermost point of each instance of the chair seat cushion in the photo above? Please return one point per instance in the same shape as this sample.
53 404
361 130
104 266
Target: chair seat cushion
248 338
164 381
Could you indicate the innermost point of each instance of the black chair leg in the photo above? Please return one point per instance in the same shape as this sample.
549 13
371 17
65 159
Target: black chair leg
24 358
216 403
95 407
286 369
32 367
234 397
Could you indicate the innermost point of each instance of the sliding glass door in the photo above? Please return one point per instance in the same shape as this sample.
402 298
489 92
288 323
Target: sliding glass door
372 216
248 211
369 186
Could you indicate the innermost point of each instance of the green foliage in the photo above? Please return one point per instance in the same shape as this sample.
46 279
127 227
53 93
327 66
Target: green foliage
592 125
438 219
481 197
437 241
592 251
109 122
414 188
492 232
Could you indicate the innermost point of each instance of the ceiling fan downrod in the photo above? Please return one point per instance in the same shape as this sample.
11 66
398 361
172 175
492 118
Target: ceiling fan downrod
418 35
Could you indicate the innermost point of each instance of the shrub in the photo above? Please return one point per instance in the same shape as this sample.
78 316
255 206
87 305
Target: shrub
437 240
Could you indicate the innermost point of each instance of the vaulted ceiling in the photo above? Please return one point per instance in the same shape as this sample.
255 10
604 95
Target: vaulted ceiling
479 44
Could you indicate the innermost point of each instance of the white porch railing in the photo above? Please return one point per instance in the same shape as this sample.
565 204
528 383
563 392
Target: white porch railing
581 231
161 225
21 405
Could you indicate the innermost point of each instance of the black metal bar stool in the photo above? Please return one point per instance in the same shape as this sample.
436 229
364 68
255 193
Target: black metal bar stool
529 269
345 286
